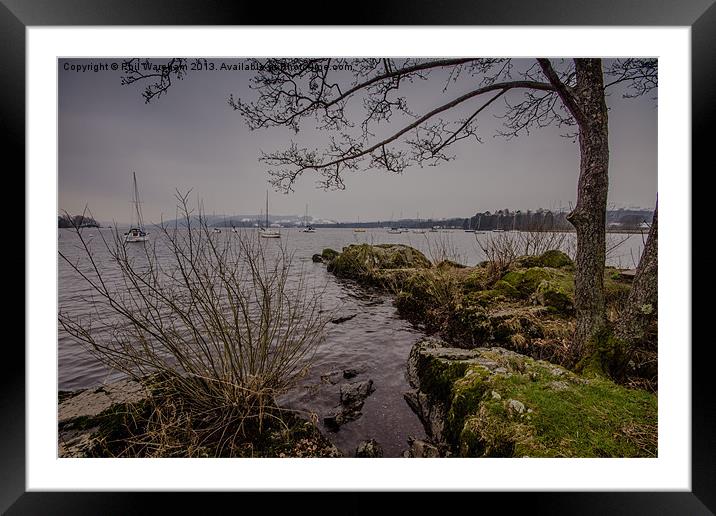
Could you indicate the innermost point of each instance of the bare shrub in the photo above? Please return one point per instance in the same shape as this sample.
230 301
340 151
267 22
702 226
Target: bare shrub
535 242
216 325
441 247
500 250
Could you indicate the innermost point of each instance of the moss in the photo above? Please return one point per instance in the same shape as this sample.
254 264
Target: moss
506 289
605 355
477 279
466 395
360 261
516 326
526 281
536 409
469 325
553 295
329 254
484 298
437 376
555 259
416 297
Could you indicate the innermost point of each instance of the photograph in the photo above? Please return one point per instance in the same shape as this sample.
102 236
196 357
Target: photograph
339 257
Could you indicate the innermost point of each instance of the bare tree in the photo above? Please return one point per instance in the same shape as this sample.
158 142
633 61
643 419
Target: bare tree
565 93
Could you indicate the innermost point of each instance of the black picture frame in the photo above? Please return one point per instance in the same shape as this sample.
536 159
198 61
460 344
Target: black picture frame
16 15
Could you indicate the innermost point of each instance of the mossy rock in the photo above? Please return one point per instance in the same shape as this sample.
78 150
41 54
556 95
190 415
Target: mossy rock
469 325
526 281
477 278
360 261
427 296
516 326
497 403
554 258
329 254
552 295
484 298
415 298
507 289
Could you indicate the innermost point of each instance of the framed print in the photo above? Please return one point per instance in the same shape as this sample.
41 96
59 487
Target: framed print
283 248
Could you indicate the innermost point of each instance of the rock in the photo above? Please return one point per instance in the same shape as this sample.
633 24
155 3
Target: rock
353 394
552 295
526 281
362 261
83 416
350 373
450 264
329 254
334 421
370 449
339 320
317 258
470 407
554 259
516 406
420 449
92 402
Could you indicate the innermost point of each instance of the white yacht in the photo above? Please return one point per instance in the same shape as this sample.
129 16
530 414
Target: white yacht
136 231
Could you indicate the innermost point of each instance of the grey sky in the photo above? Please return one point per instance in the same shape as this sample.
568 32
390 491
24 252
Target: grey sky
191 139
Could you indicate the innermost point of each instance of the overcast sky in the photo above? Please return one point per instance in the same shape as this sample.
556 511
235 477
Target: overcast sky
192 139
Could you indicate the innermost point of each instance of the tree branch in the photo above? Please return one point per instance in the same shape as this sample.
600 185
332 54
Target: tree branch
564 91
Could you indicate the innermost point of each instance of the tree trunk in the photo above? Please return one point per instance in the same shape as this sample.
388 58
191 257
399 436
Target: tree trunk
589 214
636 323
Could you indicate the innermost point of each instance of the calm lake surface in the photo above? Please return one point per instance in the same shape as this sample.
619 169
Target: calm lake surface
375 341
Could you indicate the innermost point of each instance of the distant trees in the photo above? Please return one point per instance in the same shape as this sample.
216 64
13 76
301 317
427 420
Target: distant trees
76 221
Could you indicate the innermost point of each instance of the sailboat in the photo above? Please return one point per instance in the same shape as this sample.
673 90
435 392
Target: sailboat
478 230
136 232
498 230
308 228
469 227
358 230
265 232
419 230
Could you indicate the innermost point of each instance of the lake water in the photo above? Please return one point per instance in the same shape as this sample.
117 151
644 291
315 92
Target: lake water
375 341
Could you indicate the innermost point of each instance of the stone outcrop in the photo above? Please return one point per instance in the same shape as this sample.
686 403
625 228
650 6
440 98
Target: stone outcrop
364 261
492 402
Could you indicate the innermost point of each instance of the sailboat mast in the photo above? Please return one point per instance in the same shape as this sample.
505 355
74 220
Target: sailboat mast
267 217
140 222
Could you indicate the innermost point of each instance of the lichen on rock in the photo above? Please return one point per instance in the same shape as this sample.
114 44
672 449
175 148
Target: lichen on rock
492 402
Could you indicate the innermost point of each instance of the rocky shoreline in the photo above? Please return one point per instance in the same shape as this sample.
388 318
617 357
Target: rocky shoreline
497 380
494 379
